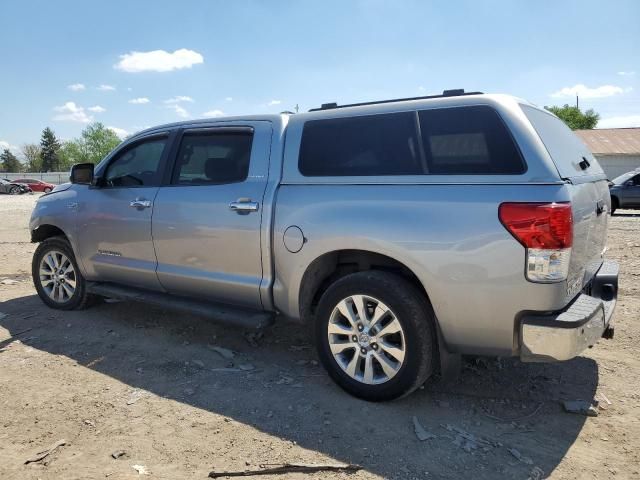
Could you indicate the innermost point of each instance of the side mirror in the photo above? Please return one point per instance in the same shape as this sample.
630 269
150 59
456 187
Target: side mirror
628 183
82 173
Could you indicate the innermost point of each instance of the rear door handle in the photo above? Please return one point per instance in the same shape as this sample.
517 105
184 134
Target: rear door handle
243 206
140 203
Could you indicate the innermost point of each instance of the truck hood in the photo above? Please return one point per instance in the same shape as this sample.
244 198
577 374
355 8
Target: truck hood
60 188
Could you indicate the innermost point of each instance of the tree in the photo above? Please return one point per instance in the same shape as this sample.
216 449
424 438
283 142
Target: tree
575 118
49 146
95 142
99 141
31 155
10 162
71 153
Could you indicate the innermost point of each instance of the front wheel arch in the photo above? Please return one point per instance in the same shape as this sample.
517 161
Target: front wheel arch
46 231
80 298
41 233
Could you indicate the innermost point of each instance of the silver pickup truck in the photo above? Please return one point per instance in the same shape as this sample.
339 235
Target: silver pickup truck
404 232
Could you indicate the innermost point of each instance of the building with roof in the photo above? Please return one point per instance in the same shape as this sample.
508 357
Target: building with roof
617 149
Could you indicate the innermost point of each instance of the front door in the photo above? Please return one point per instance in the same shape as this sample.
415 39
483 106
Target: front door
631 192
206 224
114 217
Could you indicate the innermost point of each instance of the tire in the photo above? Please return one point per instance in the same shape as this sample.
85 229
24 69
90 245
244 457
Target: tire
56 249
416 339
14 190
47 189
615 204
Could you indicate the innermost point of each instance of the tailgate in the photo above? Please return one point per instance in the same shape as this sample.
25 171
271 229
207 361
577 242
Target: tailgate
590 203
589 193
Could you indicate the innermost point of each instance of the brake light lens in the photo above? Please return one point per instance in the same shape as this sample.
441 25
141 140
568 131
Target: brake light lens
546 231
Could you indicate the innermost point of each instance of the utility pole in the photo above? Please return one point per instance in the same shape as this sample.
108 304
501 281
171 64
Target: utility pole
577 104
297 108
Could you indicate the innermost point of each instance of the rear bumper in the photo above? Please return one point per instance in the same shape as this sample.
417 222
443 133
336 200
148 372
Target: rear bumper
563 335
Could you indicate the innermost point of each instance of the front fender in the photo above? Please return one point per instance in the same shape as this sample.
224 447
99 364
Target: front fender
57 210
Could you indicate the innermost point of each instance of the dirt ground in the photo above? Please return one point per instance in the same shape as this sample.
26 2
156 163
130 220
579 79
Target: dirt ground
128 377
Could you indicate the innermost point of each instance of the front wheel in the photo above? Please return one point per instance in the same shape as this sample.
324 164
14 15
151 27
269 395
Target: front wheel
375 335
614 205
14 190
56 276
47 189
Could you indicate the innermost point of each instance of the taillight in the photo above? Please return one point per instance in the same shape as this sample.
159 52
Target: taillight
546 231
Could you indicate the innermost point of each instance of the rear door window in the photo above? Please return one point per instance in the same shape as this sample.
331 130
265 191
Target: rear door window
385 144
468 141
564 146
213 158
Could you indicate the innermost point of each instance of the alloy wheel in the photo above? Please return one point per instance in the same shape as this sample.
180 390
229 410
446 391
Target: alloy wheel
366 339
57 276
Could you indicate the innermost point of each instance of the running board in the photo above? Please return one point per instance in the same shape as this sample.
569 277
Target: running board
225 314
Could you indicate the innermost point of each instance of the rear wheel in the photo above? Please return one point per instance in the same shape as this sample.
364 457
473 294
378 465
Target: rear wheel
56 276
14 190
614 204
375 335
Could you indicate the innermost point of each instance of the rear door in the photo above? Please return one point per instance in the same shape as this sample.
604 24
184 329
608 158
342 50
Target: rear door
206 223
589 189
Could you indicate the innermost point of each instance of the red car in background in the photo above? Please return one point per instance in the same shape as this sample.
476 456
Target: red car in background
36 185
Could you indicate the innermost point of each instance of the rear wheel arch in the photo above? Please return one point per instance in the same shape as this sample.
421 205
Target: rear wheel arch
331 266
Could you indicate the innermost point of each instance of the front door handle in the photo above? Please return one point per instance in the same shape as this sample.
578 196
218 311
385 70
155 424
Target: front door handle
243 206
140 203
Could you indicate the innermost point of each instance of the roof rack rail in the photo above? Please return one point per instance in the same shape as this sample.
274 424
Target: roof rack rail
457 92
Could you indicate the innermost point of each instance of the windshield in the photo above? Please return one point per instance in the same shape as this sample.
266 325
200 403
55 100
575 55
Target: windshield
623 178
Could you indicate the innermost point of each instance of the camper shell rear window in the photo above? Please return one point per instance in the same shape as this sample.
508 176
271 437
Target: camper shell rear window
570 155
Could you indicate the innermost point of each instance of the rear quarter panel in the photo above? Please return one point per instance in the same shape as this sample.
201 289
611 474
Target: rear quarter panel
448 235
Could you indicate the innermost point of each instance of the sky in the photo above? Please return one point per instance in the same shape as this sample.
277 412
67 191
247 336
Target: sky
135 64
